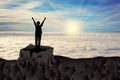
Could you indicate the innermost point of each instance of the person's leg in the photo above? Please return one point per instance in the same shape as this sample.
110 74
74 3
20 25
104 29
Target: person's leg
39 40
35 41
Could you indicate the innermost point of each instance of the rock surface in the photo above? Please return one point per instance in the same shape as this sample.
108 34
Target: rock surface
41 64
42 55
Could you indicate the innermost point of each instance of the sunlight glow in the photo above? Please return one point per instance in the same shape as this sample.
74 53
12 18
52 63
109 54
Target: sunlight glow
73 27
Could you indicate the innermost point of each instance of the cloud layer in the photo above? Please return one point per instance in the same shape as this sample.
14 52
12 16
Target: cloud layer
84 45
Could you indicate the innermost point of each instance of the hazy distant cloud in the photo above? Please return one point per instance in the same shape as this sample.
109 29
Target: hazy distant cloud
7 23
8 28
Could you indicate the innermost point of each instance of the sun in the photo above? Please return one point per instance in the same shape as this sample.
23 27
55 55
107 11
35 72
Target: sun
73 27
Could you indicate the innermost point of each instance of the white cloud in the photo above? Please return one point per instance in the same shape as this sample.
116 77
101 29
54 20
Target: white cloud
84 45
4 3
30 5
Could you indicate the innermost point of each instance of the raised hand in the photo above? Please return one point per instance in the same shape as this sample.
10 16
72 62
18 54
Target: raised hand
44 18
32 18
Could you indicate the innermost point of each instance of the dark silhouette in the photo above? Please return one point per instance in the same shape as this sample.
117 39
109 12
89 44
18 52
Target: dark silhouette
38 32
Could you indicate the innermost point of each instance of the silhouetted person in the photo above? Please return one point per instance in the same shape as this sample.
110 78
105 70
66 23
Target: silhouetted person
38 32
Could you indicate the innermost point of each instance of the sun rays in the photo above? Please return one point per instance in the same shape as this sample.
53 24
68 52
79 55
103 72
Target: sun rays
73 27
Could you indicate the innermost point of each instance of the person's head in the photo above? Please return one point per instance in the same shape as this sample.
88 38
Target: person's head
38 22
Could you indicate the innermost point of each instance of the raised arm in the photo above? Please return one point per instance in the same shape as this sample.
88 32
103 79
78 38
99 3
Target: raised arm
43 22
33 20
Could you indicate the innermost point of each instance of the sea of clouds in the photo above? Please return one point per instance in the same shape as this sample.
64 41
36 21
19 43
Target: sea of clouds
83 45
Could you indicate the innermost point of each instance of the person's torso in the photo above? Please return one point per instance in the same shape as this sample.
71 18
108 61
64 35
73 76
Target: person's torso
38 29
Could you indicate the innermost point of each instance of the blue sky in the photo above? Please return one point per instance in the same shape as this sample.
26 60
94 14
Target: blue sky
92 15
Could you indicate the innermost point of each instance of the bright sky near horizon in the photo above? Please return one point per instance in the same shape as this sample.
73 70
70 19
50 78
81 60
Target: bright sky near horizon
69 16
